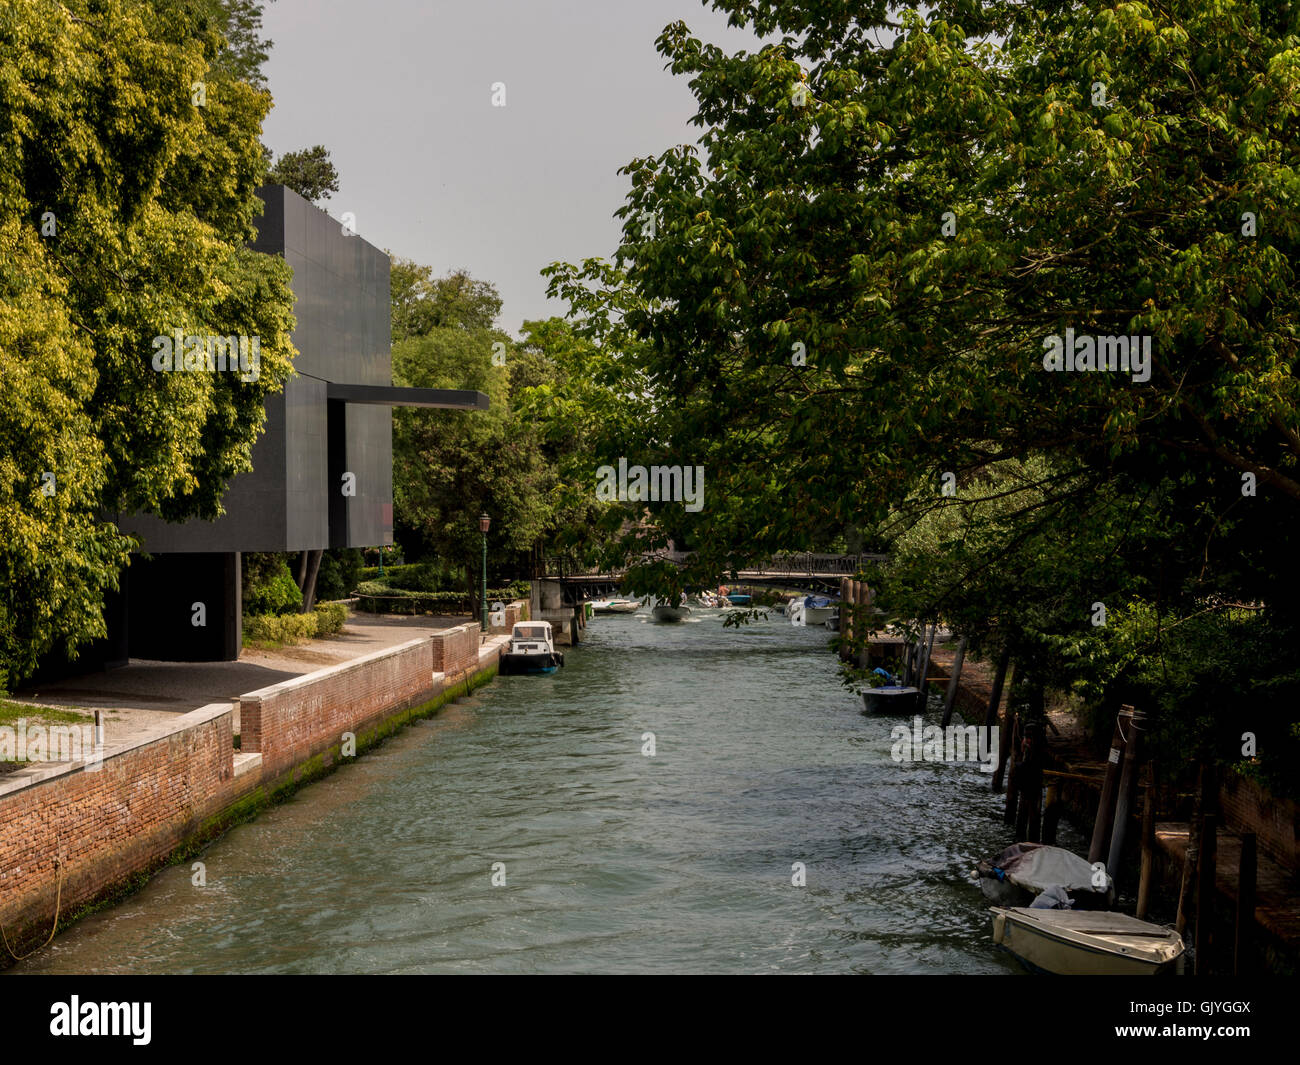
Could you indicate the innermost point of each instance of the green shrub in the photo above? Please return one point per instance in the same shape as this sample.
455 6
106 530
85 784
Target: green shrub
330 618
269 587
340 571
378 596
281 628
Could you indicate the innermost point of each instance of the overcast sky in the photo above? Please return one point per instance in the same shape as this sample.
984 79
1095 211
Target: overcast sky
400 92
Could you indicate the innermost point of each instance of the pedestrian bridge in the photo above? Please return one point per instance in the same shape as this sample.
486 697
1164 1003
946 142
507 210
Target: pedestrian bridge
805 569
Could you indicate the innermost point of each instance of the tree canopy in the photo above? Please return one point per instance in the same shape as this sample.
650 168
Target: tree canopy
115 232
854 290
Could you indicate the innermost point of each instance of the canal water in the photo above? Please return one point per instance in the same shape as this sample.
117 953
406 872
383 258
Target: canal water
613 860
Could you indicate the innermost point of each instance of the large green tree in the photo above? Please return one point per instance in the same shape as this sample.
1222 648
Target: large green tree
846 288
129 161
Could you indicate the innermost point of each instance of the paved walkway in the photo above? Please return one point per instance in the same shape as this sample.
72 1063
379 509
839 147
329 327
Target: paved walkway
137 697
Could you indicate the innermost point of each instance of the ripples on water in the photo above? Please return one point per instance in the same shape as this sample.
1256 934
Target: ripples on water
614 861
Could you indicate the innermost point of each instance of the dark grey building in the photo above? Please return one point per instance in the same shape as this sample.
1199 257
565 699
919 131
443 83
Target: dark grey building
322 470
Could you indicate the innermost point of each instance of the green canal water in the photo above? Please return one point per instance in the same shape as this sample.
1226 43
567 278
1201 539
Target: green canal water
614 861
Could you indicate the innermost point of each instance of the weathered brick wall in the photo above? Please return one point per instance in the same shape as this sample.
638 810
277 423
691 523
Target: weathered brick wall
143 802
516 611
291 722
1249 808
456 650
155 794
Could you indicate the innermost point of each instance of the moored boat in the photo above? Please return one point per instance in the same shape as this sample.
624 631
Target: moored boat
617 606
1025 871
531 650
1087 942
811 610
891 699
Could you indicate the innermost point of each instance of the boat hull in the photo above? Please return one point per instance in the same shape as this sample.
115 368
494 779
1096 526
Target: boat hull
626 607
519 665
670 613
1067 943
891 700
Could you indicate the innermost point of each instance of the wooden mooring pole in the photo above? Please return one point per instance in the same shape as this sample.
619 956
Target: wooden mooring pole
1148 850
1192 858
1205 893
1029 783
1127 787
924 682
954 678
1009 810
1006 741
848 597
1098 849
1243 941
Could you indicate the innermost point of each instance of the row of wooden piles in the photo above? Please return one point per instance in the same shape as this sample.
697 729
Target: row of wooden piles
1033 800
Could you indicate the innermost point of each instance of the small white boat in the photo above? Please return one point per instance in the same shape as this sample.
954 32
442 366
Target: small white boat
1087 942
617 606
811 610
531 650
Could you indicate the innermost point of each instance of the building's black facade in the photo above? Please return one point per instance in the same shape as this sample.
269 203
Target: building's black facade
334 418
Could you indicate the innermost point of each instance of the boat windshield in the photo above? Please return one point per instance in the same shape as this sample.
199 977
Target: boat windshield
530 632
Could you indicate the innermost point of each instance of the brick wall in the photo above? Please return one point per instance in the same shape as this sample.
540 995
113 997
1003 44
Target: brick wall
456 650
105 825
1249 808
291 722
516 611
156 793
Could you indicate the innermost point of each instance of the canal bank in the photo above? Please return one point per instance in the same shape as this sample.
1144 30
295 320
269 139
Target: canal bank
76 835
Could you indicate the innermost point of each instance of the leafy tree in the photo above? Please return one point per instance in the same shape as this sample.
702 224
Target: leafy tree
115 232
813 229
308 172
850 286
449 466
422 302
339 573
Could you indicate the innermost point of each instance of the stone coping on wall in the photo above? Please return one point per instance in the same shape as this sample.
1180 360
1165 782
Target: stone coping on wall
40 772
308 679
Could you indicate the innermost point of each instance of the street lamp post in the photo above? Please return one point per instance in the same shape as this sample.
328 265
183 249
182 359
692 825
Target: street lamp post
483 523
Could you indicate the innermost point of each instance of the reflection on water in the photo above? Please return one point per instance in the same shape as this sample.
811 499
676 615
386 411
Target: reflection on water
614 861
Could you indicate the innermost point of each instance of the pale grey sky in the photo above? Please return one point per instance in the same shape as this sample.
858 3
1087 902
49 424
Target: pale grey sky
400 92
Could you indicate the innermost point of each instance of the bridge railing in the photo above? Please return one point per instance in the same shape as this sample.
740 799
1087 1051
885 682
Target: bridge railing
803 563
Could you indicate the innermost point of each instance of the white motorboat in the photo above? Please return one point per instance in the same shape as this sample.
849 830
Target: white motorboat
811 610
1087 942
617 606
531 650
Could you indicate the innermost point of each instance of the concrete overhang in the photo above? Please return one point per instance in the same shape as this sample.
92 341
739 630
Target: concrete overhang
393 396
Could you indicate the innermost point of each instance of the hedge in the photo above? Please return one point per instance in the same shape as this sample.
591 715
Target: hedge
379 597
326 619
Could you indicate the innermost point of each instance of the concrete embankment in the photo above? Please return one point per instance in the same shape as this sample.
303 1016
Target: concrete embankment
75 835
